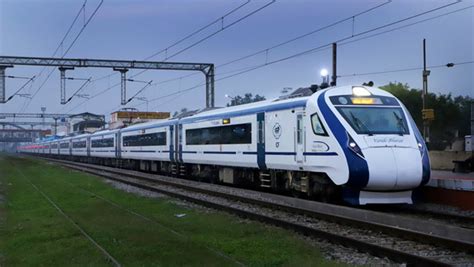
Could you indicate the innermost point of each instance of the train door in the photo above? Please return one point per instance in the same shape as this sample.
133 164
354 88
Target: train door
88 146
261 141
118 145
177 135
299 138
180 142
171 141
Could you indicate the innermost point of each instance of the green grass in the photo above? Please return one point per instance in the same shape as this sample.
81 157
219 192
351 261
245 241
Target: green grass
135 230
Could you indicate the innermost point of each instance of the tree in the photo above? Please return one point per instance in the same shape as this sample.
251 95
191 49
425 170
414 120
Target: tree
247 98
452 115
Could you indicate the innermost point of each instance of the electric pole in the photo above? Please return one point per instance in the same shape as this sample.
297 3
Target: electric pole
427 114
334 64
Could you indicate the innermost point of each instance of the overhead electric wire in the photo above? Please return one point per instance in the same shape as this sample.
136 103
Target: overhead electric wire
305 34
197 31
186 37
287 41
69 48
59 46
78 90
448 65
405 26
192 45
326 46
292 39
21 88
213 34
139 91
263 50
223 28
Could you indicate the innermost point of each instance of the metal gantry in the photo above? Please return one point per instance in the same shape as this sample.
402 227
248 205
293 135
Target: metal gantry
119 65
34 115
31 123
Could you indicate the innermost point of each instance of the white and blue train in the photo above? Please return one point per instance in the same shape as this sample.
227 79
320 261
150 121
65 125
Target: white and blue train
351 142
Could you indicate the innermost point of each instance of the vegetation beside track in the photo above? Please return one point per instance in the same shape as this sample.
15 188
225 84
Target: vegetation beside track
135 230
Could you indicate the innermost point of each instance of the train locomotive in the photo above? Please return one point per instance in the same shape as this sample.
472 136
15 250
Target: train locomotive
353 143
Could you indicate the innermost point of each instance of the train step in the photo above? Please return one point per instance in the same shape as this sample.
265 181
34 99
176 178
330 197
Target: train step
178 170
265 180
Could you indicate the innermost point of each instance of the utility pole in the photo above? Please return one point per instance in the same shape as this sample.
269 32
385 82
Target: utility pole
43 110
427 114
55 125
334 64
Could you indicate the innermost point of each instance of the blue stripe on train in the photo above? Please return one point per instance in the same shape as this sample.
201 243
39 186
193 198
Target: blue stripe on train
425 156
358 168
220 152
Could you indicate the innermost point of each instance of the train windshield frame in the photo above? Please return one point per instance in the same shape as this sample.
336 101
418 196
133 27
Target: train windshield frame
372 120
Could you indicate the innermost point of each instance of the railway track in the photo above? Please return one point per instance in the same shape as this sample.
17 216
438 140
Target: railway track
401 239
464 221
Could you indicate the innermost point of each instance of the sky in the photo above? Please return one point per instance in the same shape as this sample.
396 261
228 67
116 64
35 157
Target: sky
135 30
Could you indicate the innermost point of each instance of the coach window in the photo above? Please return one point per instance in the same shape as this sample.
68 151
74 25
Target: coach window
229 134
107 142
152 139
318 127
64 145
80 144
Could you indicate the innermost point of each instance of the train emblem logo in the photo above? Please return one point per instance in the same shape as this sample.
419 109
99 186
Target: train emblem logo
277 130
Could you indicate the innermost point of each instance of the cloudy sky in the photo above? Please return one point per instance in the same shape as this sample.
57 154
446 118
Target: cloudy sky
135 30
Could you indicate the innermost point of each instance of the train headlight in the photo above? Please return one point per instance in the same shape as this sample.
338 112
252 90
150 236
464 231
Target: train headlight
360 91
420 147
354 147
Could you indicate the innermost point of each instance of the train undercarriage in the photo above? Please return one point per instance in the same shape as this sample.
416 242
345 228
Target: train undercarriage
302 184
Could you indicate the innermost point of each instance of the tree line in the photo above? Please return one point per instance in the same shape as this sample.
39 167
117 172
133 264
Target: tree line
452 113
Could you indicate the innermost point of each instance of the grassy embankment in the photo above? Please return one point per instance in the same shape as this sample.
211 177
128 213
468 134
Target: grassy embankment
135 230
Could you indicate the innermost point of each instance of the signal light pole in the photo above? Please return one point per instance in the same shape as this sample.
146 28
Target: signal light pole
334 64
427 114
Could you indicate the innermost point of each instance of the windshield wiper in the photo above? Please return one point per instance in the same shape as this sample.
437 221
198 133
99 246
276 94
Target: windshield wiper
360 123
400 124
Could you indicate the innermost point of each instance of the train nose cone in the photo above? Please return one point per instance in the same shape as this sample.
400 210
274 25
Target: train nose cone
393 168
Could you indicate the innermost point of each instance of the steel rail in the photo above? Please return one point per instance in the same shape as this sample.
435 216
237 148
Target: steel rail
373 249
396 255
463 221
415 229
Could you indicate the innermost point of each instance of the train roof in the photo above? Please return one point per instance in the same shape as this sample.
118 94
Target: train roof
81 136
102 132
251 108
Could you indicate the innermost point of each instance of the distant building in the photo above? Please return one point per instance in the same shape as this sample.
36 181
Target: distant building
469 143
85 122
124 118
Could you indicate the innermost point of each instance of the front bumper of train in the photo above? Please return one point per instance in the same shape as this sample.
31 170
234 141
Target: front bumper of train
361 197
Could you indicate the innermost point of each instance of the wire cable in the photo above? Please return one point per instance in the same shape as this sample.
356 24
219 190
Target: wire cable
78 90
68 49
327 46
448 65
21 88
284 42
197 31
186 37
194 44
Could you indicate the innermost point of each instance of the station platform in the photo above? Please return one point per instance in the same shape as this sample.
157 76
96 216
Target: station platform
450 188
452 180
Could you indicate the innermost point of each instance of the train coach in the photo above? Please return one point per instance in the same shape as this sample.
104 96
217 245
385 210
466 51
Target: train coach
354 143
